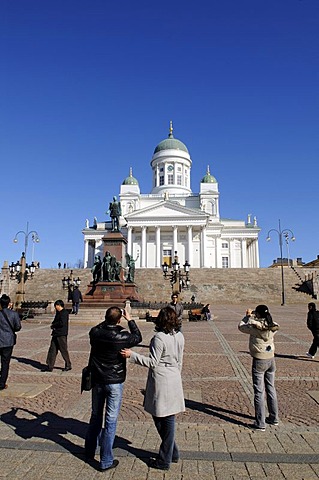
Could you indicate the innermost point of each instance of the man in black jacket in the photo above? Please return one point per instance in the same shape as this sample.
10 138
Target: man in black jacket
108 369
313 325
59 340
76 297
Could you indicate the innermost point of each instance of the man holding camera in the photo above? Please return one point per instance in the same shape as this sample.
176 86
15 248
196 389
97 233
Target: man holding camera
108 369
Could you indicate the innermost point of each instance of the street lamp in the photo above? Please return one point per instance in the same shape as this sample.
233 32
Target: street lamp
34 237
70 282
282 234
21 271
178 279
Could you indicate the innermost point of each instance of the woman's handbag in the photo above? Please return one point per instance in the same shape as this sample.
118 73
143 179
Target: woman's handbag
86 381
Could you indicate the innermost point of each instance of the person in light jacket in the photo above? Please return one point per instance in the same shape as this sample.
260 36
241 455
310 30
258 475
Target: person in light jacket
261 328
164 396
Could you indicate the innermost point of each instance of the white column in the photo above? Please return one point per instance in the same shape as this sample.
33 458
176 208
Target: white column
256 251
203 247
143 258
190 244
174 241
129 240
218 257
86 253
244 253
158 260
230 253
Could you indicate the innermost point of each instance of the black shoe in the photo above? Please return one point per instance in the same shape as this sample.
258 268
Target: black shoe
271 422
175 460
156 464
114 465
46 369
66 369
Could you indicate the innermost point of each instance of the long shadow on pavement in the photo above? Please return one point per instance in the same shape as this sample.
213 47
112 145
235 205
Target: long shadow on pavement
29 361
218 412
47 426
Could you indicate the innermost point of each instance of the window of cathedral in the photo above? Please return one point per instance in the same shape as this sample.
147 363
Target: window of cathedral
224 245
161 180
179 179
225 262
170 179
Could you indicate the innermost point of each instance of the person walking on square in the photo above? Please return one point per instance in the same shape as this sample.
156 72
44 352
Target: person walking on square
206 312
59 338
9 324
313 325
164 396
108 370
261 328
178 308
76 297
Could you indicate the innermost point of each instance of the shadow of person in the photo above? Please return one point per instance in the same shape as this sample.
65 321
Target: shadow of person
219 412
29 361
121 443
48 426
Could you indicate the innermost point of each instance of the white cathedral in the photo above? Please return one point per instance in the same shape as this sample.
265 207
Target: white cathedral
173 219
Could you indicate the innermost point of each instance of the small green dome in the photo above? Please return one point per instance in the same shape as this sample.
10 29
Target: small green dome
208 178
130 180
170 143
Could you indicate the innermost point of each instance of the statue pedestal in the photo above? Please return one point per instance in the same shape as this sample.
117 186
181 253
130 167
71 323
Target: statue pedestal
111 293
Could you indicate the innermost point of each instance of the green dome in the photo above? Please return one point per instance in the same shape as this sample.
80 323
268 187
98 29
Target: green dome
171 143
208 178
130 180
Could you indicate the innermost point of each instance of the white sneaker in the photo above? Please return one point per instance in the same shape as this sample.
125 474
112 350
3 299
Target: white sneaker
309 355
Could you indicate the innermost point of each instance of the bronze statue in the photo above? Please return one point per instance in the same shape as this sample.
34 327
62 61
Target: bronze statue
115 212
96 269
106 267
130 262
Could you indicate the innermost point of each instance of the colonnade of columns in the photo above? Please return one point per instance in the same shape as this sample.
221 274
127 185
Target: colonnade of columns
248 257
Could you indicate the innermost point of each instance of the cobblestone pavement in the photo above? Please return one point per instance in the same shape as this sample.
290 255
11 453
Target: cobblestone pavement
44 417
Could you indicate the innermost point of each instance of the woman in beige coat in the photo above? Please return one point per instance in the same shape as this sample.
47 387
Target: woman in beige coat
164 396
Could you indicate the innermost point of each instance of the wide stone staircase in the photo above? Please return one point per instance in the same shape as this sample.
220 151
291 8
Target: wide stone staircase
208 285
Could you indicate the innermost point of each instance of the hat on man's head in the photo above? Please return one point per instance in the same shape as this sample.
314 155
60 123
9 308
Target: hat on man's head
262 310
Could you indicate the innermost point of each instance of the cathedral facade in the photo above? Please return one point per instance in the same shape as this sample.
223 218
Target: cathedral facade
173 221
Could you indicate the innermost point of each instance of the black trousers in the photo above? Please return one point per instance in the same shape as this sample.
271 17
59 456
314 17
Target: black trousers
5 353
315 344
58 344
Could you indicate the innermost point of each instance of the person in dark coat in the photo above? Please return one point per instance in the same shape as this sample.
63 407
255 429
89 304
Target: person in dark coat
9 324
59 339
313 325
108 370
178 308
76 297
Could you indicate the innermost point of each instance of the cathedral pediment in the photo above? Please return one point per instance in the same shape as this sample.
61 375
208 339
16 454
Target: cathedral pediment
166 210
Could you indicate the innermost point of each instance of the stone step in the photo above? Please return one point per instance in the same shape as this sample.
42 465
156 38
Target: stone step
209 285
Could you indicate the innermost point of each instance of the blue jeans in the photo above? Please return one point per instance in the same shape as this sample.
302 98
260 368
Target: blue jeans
263 373
168 449
109 396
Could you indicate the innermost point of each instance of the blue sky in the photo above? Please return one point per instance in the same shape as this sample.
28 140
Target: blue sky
88 88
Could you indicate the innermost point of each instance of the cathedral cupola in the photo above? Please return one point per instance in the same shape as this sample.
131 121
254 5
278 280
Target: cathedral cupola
171 165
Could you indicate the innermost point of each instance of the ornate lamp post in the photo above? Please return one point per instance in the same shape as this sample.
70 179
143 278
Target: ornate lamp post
70 282
282 234
178 279
20 270
34 237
